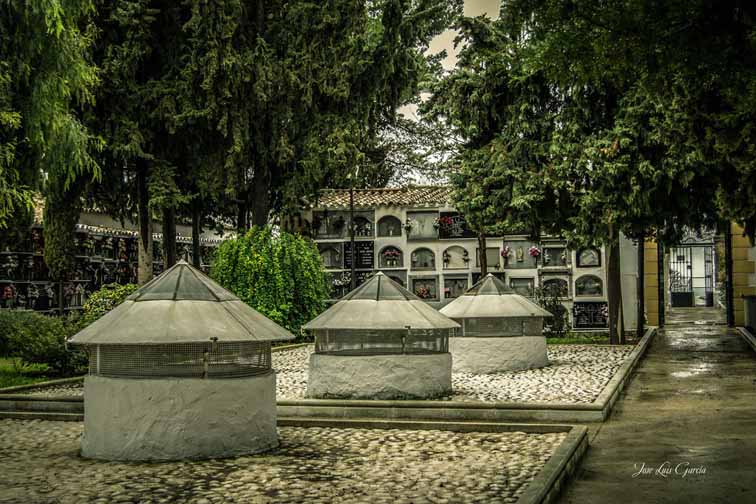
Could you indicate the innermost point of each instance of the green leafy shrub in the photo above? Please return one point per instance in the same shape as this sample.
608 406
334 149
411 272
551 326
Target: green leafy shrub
280 276
102 301
39 339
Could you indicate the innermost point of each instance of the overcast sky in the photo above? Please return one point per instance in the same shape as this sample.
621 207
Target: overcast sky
446 39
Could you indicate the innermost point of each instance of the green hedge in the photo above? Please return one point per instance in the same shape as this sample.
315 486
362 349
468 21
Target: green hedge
104 300
40 339
281 275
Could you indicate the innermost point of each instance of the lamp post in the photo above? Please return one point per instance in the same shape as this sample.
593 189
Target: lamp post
353 282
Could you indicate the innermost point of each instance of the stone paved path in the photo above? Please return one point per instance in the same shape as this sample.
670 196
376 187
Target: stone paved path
40 464
691 404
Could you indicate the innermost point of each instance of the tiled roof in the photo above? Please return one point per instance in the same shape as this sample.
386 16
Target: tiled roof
419 196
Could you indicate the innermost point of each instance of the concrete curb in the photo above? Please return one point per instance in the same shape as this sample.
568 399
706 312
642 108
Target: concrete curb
549 482
449 411
597 411
40 385
748 337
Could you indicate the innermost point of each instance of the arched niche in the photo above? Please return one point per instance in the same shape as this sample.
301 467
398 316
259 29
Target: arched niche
589 285
390 257
456 257
588 258
423 259
389 226
362 226
331 256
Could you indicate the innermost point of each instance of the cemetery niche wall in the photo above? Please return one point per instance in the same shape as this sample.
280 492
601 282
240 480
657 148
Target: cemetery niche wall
104 255
500 329
380 342
181 369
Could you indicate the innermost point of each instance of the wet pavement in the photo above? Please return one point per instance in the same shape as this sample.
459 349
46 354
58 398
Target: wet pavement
685 430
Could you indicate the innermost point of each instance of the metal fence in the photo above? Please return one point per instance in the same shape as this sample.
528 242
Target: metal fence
498 327
185 360
381 342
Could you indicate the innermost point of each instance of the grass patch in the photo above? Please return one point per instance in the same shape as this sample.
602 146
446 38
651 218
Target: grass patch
13 372
580 339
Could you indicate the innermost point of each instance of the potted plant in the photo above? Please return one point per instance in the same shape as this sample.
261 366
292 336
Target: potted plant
408 225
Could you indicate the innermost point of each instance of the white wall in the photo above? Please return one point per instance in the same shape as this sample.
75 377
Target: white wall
629 285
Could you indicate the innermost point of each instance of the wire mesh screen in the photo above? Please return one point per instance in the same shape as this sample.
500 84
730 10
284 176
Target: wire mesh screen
491 327
192 360
382 342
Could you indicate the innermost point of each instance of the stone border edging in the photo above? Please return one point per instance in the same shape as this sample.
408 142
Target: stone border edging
597 411
748 337
544 488
554 476
450 411
40 385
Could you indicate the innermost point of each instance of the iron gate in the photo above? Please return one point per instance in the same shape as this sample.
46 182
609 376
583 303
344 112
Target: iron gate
681 276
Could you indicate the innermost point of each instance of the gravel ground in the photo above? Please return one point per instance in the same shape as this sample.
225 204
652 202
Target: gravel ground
40 464
577 374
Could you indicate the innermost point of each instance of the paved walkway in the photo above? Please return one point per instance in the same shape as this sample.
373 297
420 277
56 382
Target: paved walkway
691 405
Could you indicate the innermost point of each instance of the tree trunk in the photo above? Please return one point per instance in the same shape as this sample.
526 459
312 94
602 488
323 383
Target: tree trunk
260 198
169 236
482 259
144 273
729 293
241 215
614 291
641 284
196 230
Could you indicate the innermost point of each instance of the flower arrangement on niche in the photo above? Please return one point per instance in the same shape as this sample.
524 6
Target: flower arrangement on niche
423 292
506 253
442 221
391 257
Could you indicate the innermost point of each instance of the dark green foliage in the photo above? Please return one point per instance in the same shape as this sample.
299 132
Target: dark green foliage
44 73
102 301
38 339
280 276
549 298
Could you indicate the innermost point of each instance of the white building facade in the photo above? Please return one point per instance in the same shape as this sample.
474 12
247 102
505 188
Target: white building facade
415 236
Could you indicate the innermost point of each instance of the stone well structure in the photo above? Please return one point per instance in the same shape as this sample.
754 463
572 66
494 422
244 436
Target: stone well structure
181 369
380 341
501 330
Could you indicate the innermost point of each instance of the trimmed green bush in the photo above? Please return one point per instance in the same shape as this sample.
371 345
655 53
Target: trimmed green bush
39 339
101 302
280 276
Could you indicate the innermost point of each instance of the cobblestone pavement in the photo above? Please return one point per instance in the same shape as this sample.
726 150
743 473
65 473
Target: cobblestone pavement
40 464
576 374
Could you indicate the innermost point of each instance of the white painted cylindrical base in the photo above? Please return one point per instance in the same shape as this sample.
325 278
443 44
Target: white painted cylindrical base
379 376
178 418
494 355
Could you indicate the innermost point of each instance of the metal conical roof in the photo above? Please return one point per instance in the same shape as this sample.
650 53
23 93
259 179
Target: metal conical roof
182 305
491 297
380 303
